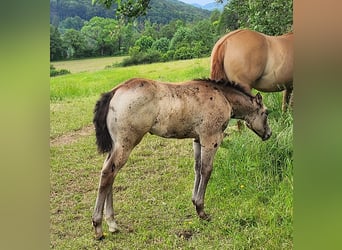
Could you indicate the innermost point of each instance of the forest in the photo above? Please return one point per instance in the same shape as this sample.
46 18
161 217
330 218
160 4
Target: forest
170 30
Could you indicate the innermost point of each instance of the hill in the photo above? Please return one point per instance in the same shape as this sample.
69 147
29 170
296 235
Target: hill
211 6
160 11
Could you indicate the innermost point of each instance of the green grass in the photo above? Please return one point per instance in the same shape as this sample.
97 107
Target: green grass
249 195
88 65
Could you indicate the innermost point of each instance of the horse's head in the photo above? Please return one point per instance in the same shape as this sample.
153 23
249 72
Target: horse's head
257 119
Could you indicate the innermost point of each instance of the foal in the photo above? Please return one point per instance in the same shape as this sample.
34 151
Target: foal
199 109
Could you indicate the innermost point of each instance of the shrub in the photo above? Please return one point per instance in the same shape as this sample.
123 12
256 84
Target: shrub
55 72
183 53
143 58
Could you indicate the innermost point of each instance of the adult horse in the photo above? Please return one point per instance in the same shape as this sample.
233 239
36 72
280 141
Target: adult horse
255 60
199 109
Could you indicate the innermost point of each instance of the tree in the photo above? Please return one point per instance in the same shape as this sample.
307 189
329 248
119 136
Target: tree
170 29
75 42
228 21
150 29
57 51
161 45
128 8
182 38
104 32
273 17
205 40
144 43
75 23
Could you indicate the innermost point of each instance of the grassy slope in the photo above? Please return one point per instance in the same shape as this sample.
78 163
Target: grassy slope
87 65
249 195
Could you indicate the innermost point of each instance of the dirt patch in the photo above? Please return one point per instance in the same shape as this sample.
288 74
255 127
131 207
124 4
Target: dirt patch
72 137
185 234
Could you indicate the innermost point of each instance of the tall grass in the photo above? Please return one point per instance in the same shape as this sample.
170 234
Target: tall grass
249 195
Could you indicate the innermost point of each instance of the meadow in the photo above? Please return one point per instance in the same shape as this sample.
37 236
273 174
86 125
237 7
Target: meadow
249 196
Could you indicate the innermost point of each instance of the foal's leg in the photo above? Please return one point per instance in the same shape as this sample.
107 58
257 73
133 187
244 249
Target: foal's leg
111 167
197 167
209 147
106 182
207 156
109 212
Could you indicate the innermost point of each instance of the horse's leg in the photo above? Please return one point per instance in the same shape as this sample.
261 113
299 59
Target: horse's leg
197 167
287 97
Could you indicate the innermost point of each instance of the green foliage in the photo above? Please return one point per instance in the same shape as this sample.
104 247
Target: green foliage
75 43
103 36
164 11
183 53
104 32
228 21
159 11
161 45
170 29
144 43
140 57
127 8
270 17
57 51
182 38
62 9
75 23
150 40
55 72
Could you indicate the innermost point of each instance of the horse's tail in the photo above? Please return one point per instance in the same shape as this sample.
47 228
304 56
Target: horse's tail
217 71
103 140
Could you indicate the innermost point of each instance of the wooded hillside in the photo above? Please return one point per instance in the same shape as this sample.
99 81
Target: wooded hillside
160 11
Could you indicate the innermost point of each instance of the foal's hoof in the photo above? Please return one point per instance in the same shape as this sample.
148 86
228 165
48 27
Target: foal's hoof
204 216
113 227
99 237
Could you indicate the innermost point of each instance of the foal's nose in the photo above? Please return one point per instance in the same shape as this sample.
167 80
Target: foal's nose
267 135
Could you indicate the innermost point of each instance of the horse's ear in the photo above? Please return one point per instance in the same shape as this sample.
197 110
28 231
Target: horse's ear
258 98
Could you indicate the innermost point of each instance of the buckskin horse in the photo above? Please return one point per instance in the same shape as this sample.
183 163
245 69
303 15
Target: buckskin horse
198 109
255 60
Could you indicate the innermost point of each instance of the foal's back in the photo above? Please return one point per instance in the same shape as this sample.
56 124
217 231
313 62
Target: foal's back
182 110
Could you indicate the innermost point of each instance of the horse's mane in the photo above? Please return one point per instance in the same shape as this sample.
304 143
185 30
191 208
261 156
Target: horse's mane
225 83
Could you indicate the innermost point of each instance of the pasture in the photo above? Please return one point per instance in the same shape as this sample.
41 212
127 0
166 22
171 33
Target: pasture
249 196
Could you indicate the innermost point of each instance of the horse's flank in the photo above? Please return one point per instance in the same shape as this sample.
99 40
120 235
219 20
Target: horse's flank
254 60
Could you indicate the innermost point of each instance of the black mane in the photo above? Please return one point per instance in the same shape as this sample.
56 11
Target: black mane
225 83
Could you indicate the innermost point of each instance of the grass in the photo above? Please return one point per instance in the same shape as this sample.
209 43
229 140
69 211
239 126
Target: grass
249 195
88 65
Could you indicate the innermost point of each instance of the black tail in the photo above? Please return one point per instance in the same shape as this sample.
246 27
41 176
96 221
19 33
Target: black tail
103 139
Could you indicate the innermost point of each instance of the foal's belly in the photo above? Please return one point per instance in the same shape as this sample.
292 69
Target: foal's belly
174 130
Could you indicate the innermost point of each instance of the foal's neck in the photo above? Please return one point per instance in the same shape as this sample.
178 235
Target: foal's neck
241 103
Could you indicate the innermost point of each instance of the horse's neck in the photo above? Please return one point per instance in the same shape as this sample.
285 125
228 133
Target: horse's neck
241 103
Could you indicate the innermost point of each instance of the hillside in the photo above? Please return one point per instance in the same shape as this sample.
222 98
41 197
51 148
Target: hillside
211 6
160 11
